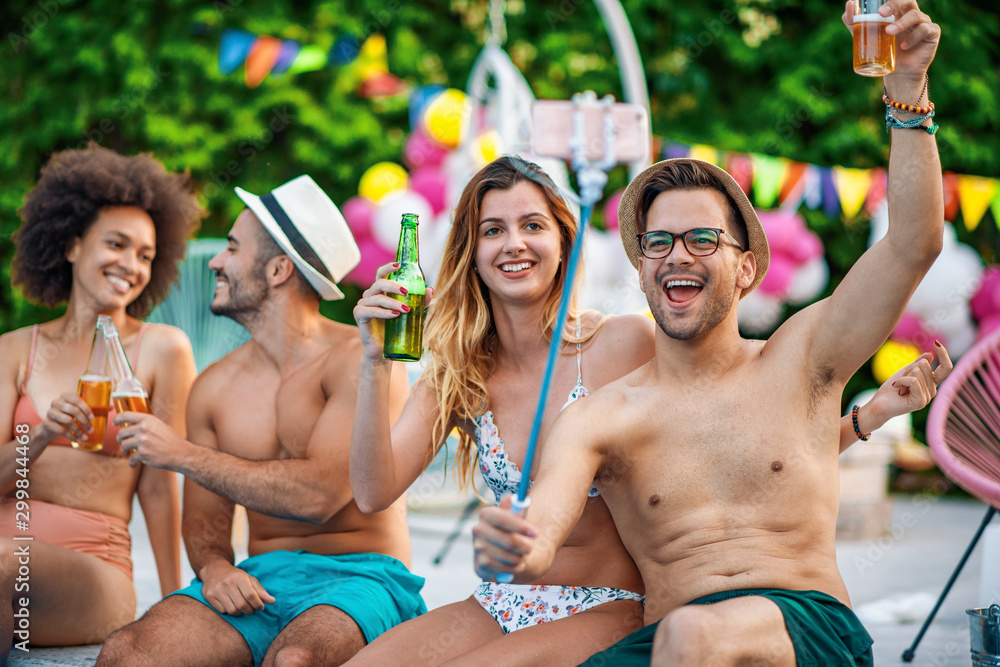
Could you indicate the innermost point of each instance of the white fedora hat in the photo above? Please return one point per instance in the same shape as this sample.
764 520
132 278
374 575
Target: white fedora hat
310 229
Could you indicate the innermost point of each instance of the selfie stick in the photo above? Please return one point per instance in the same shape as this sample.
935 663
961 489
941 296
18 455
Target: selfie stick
591 177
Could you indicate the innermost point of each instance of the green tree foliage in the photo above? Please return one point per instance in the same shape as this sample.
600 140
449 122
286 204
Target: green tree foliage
763 76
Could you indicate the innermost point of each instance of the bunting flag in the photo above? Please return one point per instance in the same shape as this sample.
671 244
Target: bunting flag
950 196
839 191
794 188
769 172
995 207
852 186
831 204
261 60
879 190
289 52
309 59
233 49
975 194
740 167
704 153
366 65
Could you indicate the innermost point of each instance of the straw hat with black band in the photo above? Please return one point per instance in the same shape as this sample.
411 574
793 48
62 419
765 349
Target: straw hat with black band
310 229
628 229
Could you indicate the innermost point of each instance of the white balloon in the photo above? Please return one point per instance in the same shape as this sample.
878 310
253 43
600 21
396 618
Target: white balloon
432 246
958 330
952 279
879 224
949 238
758 312
600 269
390 210
808 281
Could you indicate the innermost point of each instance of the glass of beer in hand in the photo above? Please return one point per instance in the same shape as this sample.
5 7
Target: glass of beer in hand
874 51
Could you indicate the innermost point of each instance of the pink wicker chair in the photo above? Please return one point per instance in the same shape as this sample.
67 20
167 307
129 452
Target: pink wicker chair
963 430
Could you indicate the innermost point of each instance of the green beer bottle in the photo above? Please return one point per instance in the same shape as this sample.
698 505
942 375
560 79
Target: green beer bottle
404 334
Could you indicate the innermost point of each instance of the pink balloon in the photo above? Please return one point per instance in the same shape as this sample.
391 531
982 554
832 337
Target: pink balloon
783 230
358 212
611 210
807 246
988 326
986 301
372 257
779 276
911 329
432 185
421 151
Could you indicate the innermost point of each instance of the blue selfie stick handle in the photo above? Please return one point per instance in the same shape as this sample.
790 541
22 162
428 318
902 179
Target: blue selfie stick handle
519 507
550 366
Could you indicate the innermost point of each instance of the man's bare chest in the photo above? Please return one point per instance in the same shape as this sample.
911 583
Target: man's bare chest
270 419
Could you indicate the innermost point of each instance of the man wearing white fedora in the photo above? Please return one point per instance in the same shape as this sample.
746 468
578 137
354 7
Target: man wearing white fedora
269 427
718 458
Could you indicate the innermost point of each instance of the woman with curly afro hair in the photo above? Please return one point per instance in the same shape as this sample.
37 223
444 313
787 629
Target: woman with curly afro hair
102 233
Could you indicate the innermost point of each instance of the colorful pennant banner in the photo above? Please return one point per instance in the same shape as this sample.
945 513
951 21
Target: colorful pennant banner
366 65
776 181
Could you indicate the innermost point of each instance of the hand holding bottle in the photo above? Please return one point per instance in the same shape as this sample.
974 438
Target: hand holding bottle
377 304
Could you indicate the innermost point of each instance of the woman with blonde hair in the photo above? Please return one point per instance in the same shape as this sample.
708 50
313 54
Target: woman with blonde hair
102 233
487 338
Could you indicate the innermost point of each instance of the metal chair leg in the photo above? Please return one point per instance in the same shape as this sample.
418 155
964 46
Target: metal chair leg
910 652
470 507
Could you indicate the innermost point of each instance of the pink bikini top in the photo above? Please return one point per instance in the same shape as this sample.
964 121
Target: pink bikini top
26 413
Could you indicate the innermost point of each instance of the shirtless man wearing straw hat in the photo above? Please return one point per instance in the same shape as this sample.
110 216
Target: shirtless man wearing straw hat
718 458
270 429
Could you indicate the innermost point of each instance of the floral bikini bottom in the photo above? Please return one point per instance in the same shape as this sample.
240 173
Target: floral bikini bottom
516 606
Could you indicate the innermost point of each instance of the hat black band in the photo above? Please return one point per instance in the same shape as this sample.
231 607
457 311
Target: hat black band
298 242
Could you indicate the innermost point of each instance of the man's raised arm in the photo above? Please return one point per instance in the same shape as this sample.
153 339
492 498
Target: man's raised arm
845 330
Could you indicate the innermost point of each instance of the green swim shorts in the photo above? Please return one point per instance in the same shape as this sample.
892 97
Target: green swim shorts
376 591
824 632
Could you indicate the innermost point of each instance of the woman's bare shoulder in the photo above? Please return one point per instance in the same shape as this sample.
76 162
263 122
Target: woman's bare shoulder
164 344
14 349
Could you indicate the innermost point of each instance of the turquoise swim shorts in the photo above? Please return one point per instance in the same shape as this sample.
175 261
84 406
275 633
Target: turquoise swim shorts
377 591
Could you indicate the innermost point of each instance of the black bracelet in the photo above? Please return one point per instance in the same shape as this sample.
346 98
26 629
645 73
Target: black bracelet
857 429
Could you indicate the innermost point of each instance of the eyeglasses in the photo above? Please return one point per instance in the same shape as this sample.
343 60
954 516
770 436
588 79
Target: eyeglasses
700 242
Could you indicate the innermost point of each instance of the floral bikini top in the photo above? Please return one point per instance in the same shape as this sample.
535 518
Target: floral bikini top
500 473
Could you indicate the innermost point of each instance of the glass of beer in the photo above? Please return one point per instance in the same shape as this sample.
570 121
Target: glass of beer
95 390
874 51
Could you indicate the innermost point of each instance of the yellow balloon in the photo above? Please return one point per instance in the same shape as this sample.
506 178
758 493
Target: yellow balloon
891 357
486 147
382 178
446 117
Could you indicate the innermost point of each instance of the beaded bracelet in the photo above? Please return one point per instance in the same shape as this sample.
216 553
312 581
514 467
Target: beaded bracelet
857 429
908 107
912 108
891 121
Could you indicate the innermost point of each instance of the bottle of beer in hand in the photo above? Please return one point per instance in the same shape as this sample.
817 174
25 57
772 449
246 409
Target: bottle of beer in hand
94 388
127 392
404 334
